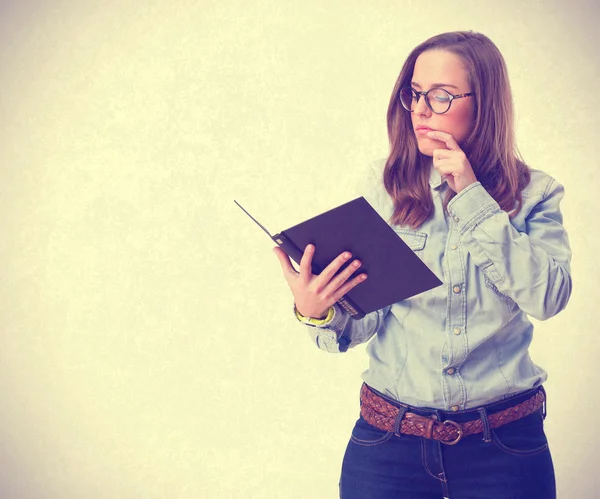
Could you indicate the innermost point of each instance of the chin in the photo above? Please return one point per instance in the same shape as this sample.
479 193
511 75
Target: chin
426 149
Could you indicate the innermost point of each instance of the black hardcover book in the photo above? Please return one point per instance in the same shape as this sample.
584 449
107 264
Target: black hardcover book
394 271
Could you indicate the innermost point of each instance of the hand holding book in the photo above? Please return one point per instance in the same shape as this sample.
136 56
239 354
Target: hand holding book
353 229
315 294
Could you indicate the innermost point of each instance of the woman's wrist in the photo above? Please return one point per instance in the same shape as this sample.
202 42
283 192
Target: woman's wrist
315 320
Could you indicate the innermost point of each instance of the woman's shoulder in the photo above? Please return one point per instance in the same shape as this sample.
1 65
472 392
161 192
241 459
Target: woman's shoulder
372 189
540 184
543 193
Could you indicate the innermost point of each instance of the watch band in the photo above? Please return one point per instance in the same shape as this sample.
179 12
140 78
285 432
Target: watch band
312 321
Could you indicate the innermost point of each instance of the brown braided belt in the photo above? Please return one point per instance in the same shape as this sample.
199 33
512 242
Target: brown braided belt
380 413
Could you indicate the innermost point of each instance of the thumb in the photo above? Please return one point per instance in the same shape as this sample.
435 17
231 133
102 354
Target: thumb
284 260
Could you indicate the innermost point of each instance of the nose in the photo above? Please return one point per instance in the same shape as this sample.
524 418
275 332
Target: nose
421 107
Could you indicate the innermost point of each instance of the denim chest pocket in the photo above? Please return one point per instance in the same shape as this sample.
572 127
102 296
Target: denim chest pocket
493 287
416 241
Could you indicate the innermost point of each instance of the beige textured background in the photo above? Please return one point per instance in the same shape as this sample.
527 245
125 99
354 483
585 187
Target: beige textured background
147 345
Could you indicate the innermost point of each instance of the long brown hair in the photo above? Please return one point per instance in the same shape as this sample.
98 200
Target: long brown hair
490 147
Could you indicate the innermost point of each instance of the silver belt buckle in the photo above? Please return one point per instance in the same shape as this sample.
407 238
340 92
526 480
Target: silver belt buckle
458 429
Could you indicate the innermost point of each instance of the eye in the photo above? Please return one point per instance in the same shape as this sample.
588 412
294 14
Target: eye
439 95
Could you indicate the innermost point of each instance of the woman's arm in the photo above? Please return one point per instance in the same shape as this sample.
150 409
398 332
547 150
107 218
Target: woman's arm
316 295
340 332
531 267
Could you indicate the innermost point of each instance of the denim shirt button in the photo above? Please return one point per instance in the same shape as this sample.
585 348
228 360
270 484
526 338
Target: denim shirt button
456 289
454 246
454 408
456 331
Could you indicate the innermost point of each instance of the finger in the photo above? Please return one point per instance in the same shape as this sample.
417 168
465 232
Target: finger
331 269
438 155
338 280
445 169
306 262
446 172
446 138
342 290
284 260
447 176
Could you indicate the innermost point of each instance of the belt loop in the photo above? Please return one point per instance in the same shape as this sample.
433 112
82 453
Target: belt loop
363 392
486 424
544 407
398 421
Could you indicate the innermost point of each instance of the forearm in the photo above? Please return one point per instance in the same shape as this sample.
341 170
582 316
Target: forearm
341 332
531 268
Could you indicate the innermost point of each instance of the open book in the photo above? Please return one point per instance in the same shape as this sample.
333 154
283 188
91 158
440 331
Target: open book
395 271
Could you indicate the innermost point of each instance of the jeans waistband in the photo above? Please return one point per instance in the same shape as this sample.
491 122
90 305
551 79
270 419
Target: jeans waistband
468 414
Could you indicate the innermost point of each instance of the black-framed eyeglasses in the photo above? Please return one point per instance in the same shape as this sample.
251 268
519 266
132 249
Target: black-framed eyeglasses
437 99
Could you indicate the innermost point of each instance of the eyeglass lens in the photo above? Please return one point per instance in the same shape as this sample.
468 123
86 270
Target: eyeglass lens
437 99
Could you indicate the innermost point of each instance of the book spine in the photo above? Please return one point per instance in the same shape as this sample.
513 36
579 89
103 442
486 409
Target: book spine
290 249
349 306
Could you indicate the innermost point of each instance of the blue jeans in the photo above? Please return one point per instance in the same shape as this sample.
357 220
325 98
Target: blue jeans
514 462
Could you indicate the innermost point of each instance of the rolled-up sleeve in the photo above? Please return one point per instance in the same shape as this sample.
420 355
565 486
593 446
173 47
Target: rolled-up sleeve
342 332
530 267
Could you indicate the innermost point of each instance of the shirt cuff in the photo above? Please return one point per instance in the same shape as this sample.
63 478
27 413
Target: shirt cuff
471 206
315 322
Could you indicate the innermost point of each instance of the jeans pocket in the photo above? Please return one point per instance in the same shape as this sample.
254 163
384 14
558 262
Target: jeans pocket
366 435
524 437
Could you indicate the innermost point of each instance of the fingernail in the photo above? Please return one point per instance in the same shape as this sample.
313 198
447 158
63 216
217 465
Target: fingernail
347 255
356 263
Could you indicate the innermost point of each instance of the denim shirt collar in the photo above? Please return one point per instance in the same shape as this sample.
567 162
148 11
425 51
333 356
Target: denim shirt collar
435 179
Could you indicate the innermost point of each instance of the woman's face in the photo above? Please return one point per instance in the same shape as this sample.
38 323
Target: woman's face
440 68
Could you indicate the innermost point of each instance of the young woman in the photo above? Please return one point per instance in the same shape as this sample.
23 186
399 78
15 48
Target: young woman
452 405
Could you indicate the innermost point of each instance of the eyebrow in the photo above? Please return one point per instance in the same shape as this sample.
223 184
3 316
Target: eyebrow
433 85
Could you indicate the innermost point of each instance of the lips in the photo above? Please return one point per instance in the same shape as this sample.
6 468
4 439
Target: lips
423 130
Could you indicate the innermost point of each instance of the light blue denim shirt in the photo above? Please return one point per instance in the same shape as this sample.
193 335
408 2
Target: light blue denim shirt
465 343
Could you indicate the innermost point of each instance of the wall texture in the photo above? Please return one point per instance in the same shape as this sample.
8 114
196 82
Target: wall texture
147 344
